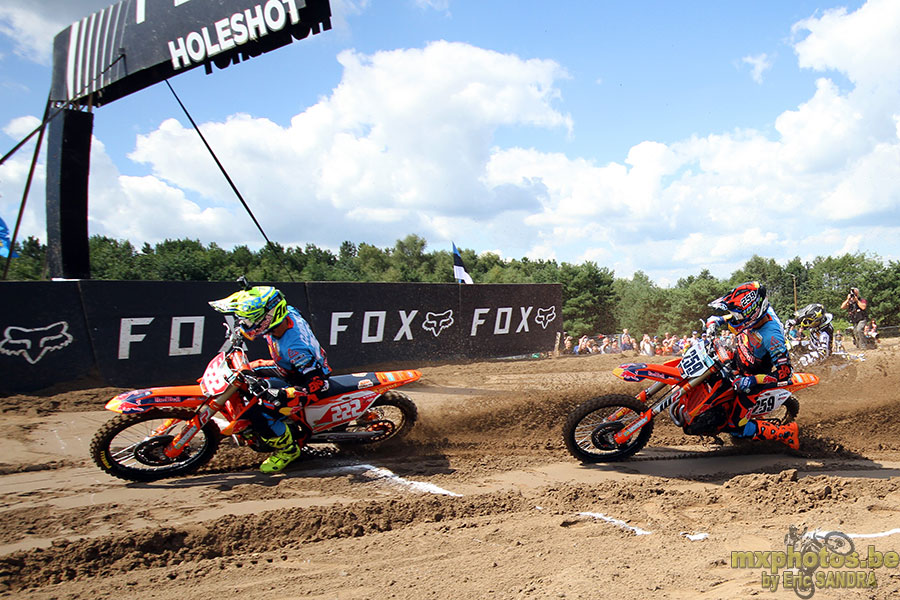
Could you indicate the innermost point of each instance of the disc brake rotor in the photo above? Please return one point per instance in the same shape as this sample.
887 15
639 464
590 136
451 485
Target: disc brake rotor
602 435
152 452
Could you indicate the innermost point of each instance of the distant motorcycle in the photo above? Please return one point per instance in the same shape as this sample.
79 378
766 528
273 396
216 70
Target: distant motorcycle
169 431
698 386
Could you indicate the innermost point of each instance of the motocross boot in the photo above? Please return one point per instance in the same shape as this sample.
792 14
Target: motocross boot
786 434
287 450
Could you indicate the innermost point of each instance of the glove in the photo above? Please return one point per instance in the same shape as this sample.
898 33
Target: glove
257 387
743 385
268 397
316 385
713 324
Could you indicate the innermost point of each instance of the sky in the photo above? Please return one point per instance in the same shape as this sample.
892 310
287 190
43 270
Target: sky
666 137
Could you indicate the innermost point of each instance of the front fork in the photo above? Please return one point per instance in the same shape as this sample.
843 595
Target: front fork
622 436
201 417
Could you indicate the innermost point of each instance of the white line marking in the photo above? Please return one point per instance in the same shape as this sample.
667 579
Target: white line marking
380 473
695 537
616 522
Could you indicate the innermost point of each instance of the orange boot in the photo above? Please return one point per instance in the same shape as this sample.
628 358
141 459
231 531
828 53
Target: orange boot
786 434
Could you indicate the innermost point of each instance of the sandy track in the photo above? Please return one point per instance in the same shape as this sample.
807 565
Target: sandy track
527 521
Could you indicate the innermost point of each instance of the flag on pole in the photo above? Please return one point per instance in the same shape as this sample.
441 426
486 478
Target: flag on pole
459 269
4 241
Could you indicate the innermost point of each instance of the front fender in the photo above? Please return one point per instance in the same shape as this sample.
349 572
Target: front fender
138 401
665 373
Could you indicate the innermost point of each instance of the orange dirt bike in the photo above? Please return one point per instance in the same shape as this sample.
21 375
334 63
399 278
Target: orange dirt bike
699 397
168 431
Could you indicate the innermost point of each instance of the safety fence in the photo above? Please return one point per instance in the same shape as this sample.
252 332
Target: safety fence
143 333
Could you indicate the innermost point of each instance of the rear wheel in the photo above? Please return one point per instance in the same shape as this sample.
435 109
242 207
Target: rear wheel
786 413
392 416
131 447
588 431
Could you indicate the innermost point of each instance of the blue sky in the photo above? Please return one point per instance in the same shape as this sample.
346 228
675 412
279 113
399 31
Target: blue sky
661 136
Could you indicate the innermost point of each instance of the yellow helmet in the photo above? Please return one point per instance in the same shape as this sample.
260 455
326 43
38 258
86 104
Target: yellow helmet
258 309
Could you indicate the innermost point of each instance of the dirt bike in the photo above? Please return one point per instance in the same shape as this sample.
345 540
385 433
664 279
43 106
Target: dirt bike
812 542
698 399
167 431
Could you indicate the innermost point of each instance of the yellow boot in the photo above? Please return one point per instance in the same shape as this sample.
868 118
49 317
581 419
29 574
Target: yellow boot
287 450
786 434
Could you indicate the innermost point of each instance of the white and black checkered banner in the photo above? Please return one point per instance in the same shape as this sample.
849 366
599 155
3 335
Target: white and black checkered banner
133 44
142 333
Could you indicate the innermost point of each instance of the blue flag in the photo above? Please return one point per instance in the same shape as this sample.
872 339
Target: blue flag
459 269
4 240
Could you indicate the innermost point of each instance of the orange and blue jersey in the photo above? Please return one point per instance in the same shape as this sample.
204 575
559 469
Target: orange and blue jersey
765 353
297 352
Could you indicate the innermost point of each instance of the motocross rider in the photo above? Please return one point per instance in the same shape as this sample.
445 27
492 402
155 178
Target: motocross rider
761 359
816 324
298 369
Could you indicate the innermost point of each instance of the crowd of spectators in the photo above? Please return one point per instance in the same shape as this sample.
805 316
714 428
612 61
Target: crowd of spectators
669 344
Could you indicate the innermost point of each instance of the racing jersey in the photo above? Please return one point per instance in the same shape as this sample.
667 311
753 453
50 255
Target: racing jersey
764 351
297 352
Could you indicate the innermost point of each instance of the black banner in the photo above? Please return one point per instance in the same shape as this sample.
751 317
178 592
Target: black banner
44 336
362 324
149 333
504 320
136 43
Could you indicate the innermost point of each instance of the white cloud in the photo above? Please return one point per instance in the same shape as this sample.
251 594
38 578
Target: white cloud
759 64
32 25
405 144
403 140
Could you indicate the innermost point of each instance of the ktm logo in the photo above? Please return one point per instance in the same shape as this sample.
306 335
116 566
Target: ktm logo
545 316
33 344
437 322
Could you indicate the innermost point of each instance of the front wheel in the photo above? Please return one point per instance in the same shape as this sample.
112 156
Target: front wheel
588 431
131 447
392 416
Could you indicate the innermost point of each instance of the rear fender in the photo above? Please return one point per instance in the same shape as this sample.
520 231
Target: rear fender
138 401
802 380
351 395
668 374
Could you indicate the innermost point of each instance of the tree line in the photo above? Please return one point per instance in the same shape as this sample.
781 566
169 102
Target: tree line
594 299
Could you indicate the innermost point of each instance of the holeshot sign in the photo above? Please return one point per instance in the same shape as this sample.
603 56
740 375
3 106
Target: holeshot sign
136 43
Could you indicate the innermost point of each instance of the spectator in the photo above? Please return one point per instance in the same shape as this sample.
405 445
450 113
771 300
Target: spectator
627 341
583 345
857 314
871 333
838 343
647 346
569 345
696 340
604 345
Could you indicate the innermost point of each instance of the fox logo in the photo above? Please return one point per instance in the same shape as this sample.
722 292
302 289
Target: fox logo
33 344
545 316
437 322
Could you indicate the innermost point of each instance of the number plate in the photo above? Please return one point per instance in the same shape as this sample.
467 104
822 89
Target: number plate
217 376
694 362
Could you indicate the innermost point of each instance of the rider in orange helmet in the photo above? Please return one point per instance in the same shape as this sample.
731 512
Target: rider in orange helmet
761 359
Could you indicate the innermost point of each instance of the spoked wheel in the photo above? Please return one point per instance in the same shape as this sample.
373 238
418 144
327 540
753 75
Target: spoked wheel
390 417
589 429
132 447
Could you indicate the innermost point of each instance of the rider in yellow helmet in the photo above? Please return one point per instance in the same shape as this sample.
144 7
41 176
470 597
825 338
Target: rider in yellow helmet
298 368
